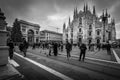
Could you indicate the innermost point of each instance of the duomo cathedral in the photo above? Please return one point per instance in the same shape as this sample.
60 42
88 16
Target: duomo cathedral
87 27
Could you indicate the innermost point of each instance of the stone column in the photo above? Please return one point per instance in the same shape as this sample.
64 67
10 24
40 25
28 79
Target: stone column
3 39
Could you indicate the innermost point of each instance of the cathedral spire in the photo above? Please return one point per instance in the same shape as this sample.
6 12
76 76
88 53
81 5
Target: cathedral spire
103 13
84 7
94 11
69 21
74 13
64 26
113 21
106 14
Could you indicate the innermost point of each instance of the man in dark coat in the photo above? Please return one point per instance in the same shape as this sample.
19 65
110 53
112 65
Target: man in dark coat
25 47
11 48
68 49
108 47
61 47
55 49
83 49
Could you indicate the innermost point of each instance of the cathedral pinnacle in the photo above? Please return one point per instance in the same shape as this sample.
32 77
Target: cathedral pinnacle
106 14
64 26
103 13
69 21
74 13
84 8
94 11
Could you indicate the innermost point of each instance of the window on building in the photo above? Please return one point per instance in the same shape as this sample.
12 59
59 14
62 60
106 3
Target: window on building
90 41
98 32
90 33
37 39
80 30
36 32
90 26
23 29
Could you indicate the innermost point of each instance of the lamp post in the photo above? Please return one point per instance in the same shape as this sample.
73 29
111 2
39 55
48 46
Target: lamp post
72 36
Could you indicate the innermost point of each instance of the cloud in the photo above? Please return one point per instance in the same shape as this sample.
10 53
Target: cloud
54 12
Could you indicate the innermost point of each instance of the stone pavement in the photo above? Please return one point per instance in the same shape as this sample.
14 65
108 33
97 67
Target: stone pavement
117 51
106 68
8 72
102 54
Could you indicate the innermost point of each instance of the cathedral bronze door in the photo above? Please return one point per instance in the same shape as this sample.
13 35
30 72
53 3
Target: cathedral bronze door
89 41
30 36
98 41
80 40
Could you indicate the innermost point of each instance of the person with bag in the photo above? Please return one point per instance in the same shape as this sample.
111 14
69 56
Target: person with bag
25 47
50 49
83 49
11 48
68 49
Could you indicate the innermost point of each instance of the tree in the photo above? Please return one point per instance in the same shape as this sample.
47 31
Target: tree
16 34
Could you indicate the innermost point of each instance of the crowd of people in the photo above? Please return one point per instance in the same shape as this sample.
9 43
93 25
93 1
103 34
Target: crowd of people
54 47
23 46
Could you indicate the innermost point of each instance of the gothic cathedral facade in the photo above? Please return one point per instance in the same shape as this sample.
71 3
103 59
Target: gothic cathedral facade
87 27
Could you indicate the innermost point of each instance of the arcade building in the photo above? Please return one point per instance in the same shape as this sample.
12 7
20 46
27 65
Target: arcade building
30 31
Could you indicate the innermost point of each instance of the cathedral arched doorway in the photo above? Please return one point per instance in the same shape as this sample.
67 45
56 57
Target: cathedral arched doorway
30 36
80 40
98 41
89 41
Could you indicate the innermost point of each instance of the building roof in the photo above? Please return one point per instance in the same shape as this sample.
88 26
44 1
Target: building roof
29 23
51 32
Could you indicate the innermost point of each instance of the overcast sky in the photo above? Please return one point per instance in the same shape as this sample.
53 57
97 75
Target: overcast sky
53 13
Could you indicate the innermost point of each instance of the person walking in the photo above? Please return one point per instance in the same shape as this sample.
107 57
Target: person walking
98 46
108 47
83 49
61 47
50 49
11 48
25 47
68 49
55 49
21 47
